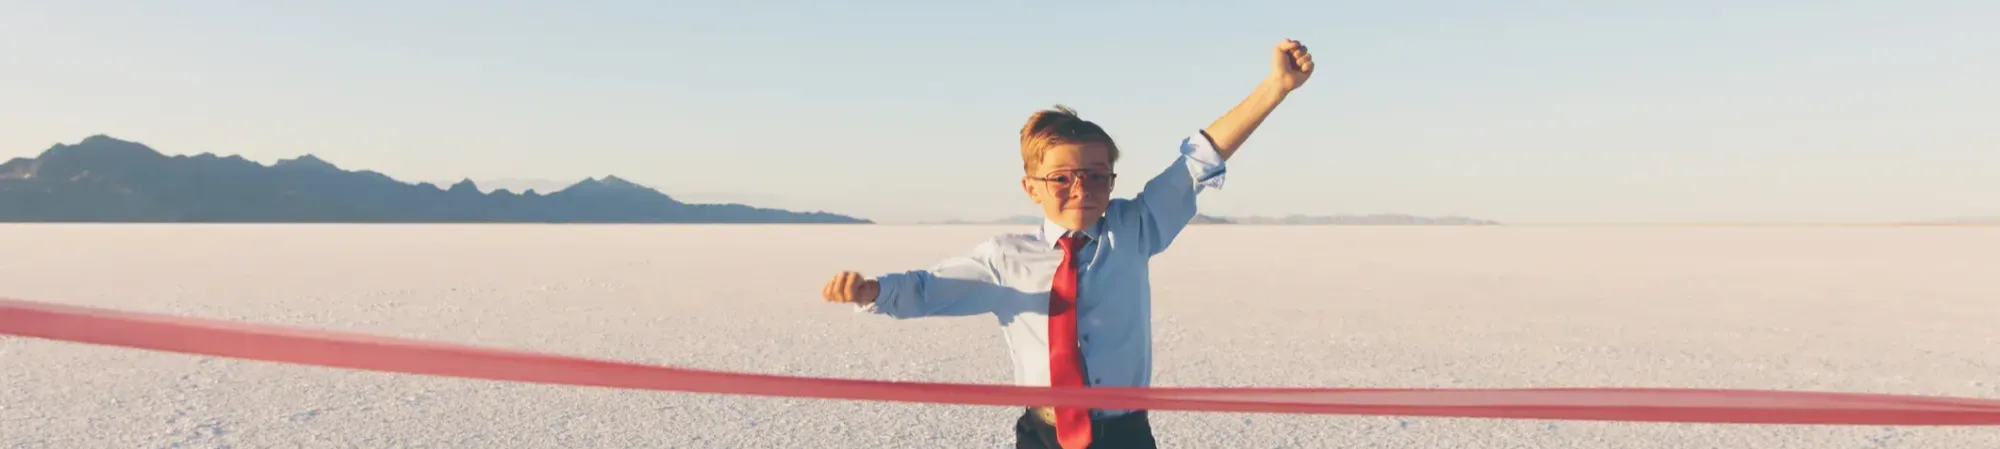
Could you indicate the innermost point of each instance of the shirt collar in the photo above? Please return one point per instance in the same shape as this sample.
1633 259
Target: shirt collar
1053 233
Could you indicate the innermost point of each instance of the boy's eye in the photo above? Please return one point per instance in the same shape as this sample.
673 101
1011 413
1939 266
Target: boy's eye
1061 179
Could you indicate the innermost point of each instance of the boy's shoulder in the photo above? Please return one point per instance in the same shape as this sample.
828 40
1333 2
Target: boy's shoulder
1010 242
997 252
1001 248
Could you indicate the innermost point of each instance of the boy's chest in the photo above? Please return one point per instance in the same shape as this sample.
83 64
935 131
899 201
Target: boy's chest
1110 282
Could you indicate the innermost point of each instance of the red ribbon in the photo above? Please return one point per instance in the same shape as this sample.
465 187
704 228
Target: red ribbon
354 351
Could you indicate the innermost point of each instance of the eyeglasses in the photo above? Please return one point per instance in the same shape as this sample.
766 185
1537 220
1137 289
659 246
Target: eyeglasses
1064 180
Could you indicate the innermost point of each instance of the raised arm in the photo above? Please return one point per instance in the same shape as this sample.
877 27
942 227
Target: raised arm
1167 204
965 284
1291 65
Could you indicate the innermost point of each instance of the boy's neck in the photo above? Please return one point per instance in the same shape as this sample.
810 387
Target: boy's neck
1052 231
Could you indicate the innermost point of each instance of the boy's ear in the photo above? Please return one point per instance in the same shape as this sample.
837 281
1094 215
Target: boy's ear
1029 188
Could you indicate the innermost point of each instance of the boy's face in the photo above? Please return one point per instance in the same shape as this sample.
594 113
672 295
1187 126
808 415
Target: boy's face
1072 184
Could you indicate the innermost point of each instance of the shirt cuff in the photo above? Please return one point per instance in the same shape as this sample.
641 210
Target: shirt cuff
1204 164
885 286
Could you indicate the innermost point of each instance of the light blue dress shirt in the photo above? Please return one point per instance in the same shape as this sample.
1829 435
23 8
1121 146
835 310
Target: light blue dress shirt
1009 276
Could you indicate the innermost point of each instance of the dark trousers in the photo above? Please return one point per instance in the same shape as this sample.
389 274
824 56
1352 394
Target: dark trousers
1130 431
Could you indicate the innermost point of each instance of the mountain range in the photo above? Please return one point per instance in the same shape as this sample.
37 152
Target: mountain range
1371 219
104 179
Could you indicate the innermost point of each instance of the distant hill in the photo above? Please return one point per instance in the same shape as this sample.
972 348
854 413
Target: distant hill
1995 220
1381 219
1376 219
103 179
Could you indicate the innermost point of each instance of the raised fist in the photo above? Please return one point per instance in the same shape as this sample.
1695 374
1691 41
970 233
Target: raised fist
850 287
1291 64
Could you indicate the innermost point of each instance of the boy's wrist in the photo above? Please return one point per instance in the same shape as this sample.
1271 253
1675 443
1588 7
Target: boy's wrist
870 291
1274 87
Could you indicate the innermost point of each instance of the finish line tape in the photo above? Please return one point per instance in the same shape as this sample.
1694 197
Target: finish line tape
363 352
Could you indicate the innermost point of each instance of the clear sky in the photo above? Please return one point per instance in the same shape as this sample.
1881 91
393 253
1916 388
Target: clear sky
1519 111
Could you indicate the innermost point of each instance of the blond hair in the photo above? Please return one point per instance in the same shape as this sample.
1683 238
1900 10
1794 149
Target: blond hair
1059 126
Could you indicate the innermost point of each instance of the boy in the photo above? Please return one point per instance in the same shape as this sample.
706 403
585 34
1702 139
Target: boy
1074 298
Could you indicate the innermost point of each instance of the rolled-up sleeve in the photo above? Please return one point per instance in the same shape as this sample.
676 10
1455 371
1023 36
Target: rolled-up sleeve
958 286
1167 204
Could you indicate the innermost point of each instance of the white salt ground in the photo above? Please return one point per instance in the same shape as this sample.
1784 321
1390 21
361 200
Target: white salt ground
1867 309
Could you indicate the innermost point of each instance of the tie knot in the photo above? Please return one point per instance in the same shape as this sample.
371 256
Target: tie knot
1072 242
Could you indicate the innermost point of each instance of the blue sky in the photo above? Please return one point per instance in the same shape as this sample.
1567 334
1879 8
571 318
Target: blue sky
1521 111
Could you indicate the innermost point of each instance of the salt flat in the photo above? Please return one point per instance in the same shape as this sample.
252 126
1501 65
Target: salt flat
1867 309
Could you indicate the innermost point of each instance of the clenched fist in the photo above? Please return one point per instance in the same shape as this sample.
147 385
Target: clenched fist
1291 64
850 287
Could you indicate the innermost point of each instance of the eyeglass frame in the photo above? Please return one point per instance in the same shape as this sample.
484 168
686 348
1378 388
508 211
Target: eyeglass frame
1048 179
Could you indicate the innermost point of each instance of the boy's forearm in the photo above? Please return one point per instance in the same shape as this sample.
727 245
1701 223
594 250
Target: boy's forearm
903 294
1233 128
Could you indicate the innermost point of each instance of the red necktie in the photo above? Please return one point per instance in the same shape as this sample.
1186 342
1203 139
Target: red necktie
1065 358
